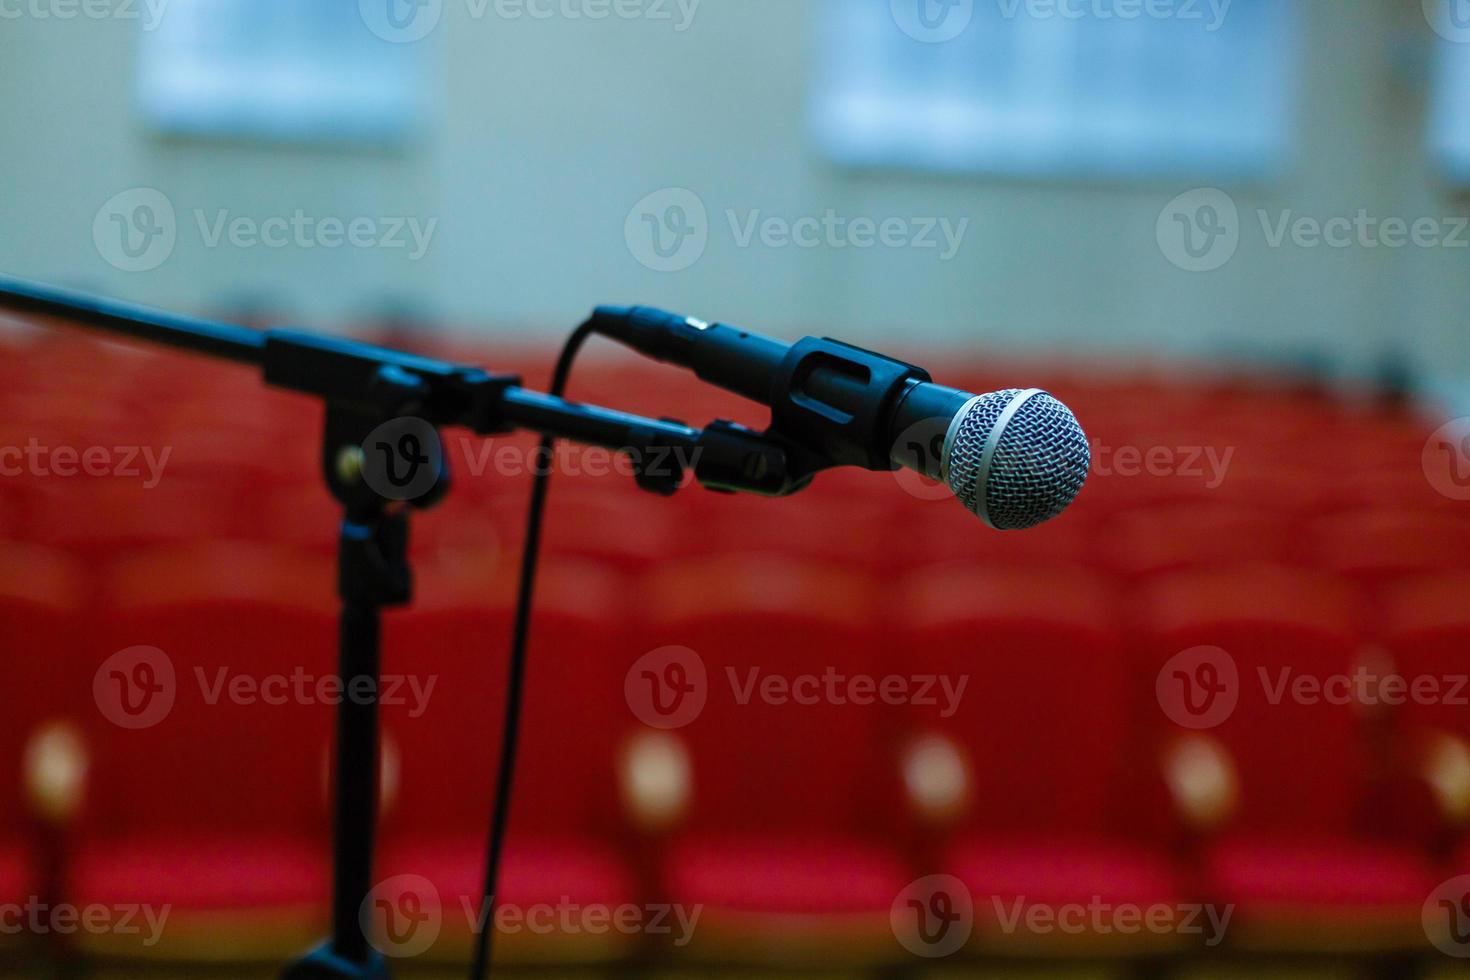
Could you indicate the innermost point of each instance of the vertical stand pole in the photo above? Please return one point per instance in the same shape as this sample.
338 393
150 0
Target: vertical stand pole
357 782
372 574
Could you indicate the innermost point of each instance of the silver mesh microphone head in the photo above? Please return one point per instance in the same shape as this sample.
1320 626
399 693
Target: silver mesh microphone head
1015 458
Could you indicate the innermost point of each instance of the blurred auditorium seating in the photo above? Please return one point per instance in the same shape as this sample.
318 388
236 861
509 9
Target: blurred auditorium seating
1057 778
1295 851
42 593
565 842
1044 815
1426 629
239 855
786 836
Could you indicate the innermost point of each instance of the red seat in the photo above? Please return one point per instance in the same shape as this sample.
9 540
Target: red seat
241 463
626 532
1042 735
1347 876
1426 630
102 519
1375 548
18 876
1173 537
785 831
210 746
533 872
1058 871
564 842
42 594
937 532
1281 651
789 876
1370 487
222 872
817 524
1291 489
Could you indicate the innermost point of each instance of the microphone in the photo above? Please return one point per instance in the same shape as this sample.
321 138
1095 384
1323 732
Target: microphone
1014 458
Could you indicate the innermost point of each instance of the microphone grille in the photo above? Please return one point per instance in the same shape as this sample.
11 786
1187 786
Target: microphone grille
1016 458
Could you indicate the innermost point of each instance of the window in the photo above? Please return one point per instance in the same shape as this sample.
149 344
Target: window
279 69
1449 122
1058 87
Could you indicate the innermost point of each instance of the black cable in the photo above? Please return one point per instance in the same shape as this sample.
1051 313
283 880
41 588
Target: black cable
515 680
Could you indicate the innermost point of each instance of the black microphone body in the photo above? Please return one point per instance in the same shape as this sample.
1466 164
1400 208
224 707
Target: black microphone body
1014 458
848 404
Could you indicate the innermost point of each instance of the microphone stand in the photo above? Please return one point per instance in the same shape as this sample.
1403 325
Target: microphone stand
362 387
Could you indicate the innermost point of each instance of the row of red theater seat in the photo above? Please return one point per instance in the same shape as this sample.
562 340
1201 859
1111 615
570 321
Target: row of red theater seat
1067 753
633 532
1079 785
71 383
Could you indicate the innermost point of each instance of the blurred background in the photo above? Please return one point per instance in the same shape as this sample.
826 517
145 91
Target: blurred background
1228 686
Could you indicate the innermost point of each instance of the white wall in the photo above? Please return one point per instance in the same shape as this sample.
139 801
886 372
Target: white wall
543 134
